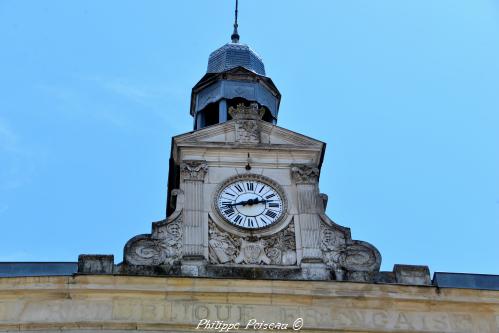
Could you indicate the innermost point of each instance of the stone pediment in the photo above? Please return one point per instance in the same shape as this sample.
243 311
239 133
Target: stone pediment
248 132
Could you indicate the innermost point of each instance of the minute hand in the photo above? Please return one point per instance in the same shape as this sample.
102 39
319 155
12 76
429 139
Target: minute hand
260 201
238 203
256 201
248 202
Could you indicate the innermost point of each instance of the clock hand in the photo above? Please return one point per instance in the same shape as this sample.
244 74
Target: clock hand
256 201
238 203
261 201
248 202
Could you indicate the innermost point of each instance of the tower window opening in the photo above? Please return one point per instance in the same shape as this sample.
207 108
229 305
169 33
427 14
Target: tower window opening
210 113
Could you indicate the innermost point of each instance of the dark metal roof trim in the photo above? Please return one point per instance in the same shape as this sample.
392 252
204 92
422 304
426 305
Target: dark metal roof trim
466 281
18 269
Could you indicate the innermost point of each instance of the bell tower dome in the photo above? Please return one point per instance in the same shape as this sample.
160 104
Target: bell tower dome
235 74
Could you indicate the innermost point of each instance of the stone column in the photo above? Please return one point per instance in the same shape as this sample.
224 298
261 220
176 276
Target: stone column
193 252
222 111
309 207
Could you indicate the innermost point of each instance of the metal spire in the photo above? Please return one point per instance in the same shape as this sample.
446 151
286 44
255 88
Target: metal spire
235 34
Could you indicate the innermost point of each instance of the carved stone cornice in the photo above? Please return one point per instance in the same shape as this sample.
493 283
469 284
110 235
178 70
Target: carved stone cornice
305 174
193 170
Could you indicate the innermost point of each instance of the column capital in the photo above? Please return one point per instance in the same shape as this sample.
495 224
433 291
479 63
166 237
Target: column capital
305 173
193 169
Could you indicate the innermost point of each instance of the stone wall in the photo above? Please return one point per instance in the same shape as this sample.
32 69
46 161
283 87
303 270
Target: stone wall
86 303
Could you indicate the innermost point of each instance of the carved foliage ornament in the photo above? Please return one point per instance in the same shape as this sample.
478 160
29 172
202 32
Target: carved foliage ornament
303 173
278 249
193 170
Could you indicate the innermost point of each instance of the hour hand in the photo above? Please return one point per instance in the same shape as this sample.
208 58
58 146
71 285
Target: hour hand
257 201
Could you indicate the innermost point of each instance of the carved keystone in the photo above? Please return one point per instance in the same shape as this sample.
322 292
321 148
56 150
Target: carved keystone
95 264
412 274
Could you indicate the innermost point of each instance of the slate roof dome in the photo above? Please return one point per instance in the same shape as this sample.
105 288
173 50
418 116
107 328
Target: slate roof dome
233 55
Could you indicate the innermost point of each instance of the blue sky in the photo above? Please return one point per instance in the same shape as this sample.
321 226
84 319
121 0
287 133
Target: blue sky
405 93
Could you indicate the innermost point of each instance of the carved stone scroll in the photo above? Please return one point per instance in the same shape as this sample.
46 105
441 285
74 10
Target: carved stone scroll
349 259
163 246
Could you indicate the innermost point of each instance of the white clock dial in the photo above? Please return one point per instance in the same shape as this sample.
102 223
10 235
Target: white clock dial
250 204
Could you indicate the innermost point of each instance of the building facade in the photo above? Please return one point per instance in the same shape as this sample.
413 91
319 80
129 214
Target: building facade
246 244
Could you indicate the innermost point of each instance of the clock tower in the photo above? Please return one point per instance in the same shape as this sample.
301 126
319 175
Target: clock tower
243 193
246 244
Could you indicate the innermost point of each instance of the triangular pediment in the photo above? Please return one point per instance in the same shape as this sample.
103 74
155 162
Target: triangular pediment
269 135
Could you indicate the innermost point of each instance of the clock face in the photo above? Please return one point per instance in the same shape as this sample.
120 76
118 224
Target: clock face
250 204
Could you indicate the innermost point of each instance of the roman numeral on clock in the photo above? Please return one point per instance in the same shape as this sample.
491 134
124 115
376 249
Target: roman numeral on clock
239 187
270 196
271 214
273 204
263 220
250 186
229 212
